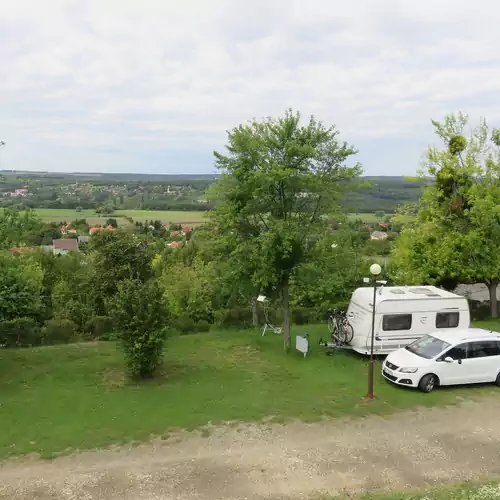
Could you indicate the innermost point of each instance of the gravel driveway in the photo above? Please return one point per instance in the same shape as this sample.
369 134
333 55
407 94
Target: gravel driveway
296 460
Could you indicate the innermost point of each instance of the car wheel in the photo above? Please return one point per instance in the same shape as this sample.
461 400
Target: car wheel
497 381
428 383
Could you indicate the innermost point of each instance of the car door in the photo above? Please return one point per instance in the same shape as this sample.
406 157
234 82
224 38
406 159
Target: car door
483 360
456 371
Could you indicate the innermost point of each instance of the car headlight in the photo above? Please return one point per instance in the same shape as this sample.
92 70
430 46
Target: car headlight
408 370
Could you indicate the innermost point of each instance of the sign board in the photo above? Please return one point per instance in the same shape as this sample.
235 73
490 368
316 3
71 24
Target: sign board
302 344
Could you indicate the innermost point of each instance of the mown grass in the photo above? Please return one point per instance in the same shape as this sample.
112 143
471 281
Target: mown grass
54 399
489 490
165 216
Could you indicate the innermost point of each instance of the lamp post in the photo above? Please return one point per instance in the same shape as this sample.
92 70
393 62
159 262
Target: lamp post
375 270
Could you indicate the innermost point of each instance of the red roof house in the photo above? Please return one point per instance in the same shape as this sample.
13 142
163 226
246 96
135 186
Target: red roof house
62 247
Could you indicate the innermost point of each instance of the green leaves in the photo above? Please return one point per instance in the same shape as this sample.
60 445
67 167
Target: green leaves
139 316
279 179
457 231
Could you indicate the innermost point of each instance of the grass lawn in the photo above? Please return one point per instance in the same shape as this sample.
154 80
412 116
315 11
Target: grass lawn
464 491
178 217
55 399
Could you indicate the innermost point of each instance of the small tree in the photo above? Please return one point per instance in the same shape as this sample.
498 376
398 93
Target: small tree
139 316
280 181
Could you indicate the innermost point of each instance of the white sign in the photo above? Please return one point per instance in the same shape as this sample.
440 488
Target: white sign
302 344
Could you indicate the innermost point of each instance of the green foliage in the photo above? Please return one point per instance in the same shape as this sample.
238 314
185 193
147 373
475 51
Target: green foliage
456 235
279 181
189 290
139 316
17 228
59 331
73 296
237 317
185 325
116 256
100 327
19 332
21 285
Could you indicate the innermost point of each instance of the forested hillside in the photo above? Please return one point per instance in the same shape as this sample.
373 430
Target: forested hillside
167 192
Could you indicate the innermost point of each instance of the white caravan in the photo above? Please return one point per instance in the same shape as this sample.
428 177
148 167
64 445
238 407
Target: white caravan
403 314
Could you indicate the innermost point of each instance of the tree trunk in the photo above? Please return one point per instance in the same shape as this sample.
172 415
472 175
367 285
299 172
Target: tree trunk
286 313
255 313
492 287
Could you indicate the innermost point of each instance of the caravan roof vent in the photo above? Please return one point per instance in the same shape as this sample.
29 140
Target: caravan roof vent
398 291
425 291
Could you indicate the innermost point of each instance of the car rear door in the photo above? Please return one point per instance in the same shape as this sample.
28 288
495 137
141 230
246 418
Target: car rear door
483 360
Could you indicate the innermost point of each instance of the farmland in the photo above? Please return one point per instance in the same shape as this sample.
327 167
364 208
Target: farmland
165 216
175 216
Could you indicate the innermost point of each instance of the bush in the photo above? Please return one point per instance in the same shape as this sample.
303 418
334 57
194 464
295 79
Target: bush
239 317
19 332
139 316
479 310
100 327
59 331
186 324
303 315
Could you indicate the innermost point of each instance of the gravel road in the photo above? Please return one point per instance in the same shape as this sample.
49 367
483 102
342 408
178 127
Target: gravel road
293 461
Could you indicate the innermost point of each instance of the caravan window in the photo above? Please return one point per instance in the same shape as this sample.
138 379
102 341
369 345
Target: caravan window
392 322
447 320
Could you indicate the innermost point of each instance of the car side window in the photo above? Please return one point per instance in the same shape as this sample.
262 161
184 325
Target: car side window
483 349
457 352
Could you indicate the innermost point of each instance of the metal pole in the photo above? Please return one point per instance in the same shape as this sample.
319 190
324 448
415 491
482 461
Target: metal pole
370 394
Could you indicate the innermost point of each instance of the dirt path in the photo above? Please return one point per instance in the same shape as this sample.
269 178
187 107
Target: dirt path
276 462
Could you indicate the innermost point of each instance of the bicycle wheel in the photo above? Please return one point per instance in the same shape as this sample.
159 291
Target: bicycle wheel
340 333
331 324
349 333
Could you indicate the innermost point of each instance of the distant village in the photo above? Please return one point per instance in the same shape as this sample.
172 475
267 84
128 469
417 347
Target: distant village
73 242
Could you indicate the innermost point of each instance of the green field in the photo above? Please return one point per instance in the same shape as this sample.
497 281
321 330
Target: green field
165 216
487 490
372 218
61 398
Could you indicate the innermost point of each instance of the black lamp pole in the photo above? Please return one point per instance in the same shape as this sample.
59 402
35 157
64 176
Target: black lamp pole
370 394
375 271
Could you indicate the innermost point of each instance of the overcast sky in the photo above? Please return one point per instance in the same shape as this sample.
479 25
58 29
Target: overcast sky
152 85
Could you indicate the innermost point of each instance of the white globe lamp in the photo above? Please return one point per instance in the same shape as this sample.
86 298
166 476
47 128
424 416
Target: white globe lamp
375 269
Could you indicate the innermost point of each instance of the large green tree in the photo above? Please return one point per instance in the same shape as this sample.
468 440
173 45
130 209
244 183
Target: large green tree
456 234
280 178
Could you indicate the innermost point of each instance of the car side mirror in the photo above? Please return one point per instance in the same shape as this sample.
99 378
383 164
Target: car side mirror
448 359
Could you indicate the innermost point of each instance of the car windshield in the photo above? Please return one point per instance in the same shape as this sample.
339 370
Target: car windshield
427 347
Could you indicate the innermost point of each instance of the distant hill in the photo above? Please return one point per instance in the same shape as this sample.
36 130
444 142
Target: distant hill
380 193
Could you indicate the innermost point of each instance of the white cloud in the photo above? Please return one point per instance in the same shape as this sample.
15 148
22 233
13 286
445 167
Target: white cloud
145 79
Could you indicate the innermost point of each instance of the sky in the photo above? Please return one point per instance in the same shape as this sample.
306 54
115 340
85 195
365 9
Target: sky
152 86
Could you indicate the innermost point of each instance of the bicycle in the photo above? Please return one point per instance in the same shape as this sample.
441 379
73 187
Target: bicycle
339 326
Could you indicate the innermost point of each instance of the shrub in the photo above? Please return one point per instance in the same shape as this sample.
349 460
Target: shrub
240 317
100 327
59 331
479 310
186 324
19 332
139 316
303 315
